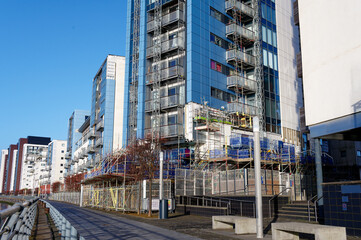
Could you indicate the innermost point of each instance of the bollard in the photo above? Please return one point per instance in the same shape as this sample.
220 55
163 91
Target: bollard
68 230
73 233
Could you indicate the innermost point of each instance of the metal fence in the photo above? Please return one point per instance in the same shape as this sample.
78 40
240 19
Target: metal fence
64 227
69 197
241 182
19 220
124 198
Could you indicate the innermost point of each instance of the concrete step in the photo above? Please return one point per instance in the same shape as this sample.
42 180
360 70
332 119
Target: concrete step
295 217
298 213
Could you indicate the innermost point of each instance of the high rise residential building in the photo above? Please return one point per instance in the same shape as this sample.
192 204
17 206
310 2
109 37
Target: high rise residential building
227 60
55 168
75 121
106 119
8 169
19 163
80 162
4 155
34 154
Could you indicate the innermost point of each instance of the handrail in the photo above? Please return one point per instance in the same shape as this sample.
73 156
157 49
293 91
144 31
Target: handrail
316 217
219 200
308 207
275 196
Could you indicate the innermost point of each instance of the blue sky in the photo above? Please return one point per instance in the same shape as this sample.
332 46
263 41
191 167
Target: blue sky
49 52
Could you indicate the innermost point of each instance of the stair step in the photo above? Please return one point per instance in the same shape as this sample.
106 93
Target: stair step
296 213
292 216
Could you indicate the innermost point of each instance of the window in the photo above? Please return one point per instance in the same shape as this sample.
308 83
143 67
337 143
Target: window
172 120
219 16
62 151
61 165
61 171
62 158
172 91
358 153
172 63
220 68
221 95
219 41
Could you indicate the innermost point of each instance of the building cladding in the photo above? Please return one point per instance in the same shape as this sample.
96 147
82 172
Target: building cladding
56 160
107 107
9 168
198 63
19 159
332 105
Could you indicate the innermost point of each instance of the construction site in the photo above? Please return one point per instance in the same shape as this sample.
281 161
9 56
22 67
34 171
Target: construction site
207 151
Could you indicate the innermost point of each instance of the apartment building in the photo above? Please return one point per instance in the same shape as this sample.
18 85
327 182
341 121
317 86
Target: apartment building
4 155
105 126
231 59
55 169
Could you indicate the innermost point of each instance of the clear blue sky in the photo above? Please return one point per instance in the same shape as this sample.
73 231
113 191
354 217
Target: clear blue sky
49 52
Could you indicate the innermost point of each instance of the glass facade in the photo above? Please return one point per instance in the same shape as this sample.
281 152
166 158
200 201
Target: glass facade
270 69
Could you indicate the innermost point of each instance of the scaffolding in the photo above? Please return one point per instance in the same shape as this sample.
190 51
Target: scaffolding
133 86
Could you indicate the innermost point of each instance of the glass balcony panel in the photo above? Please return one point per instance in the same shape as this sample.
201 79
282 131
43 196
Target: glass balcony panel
242 108
244 32
230 4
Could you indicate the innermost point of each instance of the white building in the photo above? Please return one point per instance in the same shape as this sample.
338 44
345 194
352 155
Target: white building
56 161
4 152
331 65
15 154
34 162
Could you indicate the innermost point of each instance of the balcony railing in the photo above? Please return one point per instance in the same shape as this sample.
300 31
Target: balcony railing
230 4
99 142
84 152
168 131
100 125
166 20
91 148
245 83
166 46
165 102
167 73
299 64
68 155
296 18
237 55
242 108
92 134
241 31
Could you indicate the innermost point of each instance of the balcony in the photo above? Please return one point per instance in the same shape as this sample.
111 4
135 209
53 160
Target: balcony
89 164
100 125
166 74
84 153
97 158
246 59
168 131
92 134
243 108
91 148
68 155
166 46
99 142
167 20
244 84
165 103
31 170
241 7
75 160
234 30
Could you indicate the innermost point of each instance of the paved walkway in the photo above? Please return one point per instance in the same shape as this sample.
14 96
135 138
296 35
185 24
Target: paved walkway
92 224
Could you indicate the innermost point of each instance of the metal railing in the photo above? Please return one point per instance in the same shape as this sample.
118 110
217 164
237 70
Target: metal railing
228 203
242 108
230 4
167 45
273 198
19 221
244 82
166 19
238 55
244 32
166 73
315 207
65 228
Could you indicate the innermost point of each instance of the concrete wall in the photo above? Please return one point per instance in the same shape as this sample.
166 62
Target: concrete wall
119 101
58 161
331 57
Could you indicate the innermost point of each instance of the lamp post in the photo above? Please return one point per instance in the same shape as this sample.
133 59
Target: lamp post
257 171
